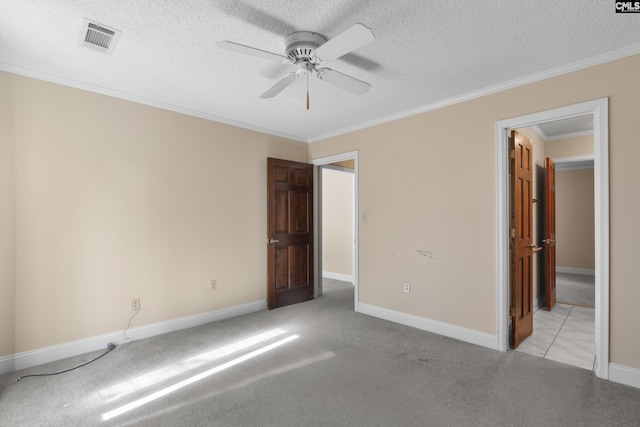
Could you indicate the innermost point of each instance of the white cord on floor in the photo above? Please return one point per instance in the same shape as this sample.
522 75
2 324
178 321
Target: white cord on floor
129 325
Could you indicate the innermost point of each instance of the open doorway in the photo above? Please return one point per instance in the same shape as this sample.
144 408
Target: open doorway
339 170
563 282
575 271
337 183
598 109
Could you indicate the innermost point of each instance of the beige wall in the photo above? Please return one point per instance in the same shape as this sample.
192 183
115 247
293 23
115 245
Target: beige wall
574 205
430 208
570 147
337 222
117 200
575 245
348 164
7 220
429 182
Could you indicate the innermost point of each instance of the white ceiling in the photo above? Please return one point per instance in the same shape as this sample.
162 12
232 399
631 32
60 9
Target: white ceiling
565 128
426 53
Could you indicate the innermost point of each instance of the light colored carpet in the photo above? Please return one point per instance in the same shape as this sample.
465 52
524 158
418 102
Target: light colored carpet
576 289
343 369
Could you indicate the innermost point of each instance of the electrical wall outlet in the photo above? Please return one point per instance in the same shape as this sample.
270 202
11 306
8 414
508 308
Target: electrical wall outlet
214 285
407 287
135 304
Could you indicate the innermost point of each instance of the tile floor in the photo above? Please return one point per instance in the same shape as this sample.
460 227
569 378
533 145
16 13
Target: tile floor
565 334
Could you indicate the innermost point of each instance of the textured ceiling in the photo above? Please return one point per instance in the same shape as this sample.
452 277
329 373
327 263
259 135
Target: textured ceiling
426 53
566 128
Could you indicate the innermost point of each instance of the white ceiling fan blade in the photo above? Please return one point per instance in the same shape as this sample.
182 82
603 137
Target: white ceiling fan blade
348 83
280 86
347 41
253 51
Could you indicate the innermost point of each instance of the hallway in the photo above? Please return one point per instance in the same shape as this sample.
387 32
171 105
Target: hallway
565 334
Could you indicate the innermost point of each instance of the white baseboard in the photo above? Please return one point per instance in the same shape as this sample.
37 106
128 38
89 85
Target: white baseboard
624 375
7 364
571 270
62 351
338 276
458 332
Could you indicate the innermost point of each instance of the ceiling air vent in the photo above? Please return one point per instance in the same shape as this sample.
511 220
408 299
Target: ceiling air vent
98 36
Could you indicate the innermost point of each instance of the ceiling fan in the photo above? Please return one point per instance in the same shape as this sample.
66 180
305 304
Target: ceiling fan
308 51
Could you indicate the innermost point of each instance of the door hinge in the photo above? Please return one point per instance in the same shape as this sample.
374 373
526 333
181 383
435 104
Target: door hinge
512 153
512 312
512 232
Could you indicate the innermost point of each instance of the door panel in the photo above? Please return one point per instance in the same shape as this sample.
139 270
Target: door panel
300 217
281 268
521 238
299 256
550 231
282 211
289 232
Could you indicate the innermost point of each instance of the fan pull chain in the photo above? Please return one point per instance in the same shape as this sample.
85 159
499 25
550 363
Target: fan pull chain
307 91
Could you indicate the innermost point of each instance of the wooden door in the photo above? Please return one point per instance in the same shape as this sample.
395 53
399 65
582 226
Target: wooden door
550 231
521 238
289 232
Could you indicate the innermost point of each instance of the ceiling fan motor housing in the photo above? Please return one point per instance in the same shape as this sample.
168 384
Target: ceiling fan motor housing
300 45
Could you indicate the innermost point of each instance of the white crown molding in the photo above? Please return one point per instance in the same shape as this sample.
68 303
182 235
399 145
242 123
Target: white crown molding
546 138
574 159
575 166
62 351
532 78
564 164
554 72
569 135
38 75
540 133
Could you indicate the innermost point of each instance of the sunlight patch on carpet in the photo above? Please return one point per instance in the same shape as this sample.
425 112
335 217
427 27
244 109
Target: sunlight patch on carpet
143 381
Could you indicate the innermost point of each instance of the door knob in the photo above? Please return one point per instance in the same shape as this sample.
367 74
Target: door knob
273 241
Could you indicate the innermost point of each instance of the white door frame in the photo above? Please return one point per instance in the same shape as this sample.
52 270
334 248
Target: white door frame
600 110
317 215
